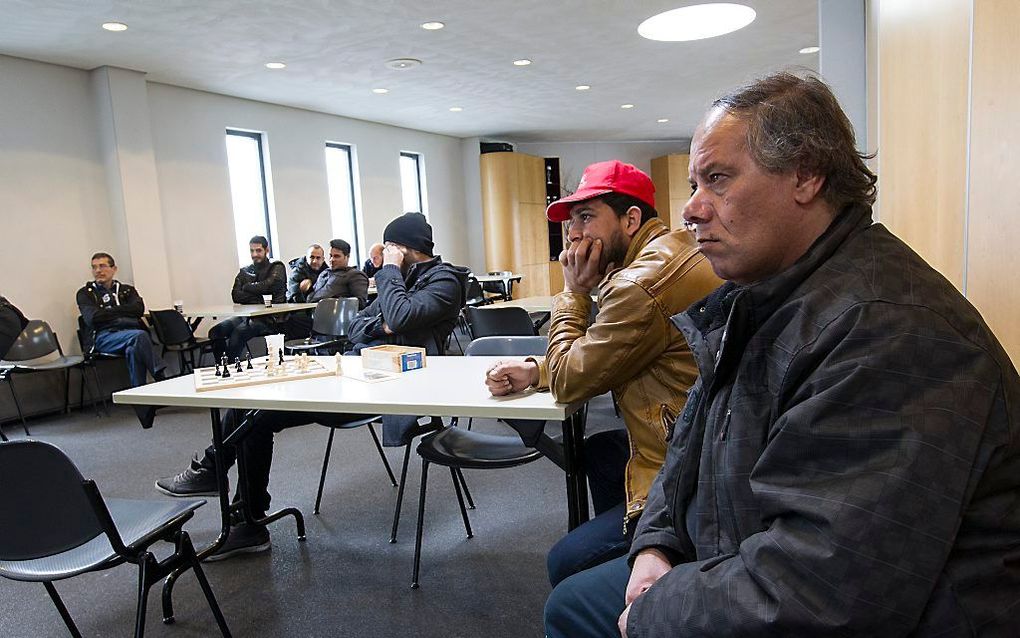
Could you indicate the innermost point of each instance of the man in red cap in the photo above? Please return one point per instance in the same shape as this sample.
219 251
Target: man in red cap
645 274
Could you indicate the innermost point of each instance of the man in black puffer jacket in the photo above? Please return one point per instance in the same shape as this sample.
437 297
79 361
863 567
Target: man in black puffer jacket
262 277
304 271
12 322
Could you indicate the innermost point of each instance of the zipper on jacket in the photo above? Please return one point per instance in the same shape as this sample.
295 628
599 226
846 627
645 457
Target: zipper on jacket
725 426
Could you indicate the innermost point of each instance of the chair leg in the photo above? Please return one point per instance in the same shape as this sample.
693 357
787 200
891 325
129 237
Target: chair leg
400 493
382 455
470 419
85 388
67 390
17 404
184 544
99 388
467 492
455 475
325 466
81 389
59 604
148 561
421 521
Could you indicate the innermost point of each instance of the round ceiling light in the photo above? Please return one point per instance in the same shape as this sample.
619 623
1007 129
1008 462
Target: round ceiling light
807 50
522 62
582 87
662 120
402 64
275 65
380 91
432 26
626 106
697 22
115 26
456 109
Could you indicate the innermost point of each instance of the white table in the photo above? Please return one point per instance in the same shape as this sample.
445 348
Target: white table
446 387
503 279
245 310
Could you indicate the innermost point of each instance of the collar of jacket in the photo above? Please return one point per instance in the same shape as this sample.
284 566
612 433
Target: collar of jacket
416 271
649 231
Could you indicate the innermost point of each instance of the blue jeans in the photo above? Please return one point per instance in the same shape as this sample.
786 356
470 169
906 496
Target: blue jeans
589 603
232 335
136 346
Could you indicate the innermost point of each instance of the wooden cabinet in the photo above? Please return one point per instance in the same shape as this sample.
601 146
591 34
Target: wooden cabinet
672 187
514 224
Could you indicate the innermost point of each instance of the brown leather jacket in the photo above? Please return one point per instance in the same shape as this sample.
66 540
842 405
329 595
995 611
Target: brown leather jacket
632 348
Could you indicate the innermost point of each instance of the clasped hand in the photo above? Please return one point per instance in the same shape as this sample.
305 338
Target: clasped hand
507 377
581 262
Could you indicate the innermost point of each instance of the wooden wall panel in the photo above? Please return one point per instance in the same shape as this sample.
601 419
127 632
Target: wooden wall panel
923 71
499 207
994 222
672 188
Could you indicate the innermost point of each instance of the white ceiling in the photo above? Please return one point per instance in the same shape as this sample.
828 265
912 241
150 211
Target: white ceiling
335 53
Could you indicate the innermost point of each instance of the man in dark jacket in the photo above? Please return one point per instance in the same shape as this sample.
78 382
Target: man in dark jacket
113 311
848 462
374 262
304 271
263 277
12 322
338 281
422 312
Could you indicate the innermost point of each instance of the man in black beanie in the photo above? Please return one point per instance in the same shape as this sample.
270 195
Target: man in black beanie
420 297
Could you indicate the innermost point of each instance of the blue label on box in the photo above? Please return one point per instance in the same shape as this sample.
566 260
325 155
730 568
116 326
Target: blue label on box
410 361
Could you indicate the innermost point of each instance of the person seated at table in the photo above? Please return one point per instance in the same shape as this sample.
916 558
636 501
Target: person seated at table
263 277
645 274
112 311
339 280
304 271
374 263
848 463
421 298
12 322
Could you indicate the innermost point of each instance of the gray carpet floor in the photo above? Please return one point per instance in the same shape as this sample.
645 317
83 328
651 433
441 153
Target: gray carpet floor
346 579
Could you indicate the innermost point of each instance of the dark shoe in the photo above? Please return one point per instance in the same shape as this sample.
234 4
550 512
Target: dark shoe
244 538
194 481
146 415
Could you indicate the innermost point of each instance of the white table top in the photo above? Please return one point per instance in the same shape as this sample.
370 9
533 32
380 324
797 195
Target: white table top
447 386
245 310
532 304
491 278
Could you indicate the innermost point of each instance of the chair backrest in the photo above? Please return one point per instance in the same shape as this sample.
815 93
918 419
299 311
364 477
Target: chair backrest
499 322
44 509
334 316
507 346
36 343
172 329
86 336
474 296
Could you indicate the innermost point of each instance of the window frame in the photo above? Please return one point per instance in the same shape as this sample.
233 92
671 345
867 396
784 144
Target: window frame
420 174
260 141
355 210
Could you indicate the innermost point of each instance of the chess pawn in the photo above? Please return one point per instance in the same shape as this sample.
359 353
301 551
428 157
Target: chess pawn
339 366
237 364
218 373
226 371
250 366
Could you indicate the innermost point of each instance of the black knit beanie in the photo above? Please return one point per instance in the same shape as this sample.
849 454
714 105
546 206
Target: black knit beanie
411 230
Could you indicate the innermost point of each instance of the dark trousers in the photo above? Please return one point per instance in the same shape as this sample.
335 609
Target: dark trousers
231 336
136 346
258 447
298 326
588 604
601 538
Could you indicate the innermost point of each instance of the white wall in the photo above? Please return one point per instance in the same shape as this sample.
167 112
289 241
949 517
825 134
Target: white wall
574 156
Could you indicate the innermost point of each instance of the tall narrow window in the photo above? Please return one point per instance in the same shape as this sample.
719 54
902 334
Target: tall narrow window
411 183
342 207
249 191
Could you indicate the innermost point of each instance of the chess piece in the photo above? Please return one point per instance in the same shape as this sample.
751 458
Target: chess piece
218 373
250 366
237 363
339 367
281 355
226 368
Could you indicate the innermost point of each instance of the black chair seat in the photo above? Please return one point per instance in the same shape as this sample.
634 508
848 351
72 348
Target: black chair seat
135 520
60 363
311 343
457 447
191 345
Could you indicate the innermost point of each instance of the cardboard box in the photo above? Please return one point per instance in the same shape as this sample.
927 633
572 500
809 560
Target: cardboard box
393 358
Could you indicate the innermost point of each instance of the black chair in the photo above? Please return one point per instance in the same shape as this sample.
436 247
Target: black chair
350 425
54 524
497 289
457 448
330 322
92 357
176 335
37 350
499 322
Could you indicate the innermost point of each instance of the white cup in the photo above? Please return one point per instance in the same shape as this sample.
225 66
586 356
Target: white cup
268 300
179 306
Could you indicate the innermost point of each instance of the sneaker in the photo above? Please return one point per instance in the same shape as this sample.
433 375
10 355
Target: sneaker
244 538
194 481
146 415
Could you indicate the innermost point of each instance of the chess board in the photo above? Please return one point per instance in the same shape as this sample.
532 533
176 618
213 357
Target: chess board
206 379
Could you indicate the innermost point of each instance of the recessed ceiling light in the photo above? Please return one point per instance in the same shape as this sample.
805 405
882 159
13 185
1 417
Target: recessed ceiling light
810 50
626 106
522 62
432 26
275 65
697 22
380 91
115 26
402 64
582 87
662 120
456 109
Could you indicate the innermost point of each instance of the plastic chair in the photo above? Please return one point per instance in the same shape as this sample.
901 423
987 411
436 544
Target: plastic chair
497 289
350 425
458 448
330 321
92 357
176 335
37 350
499 322
54 524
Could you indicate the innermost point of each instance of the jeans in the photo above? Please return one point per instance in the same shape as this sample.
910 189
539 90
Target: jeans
589 603
601 538
258 447
231 336
137 347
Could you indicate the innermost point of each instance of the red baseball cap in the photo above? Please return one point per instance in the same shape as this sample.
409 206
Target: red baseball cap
601 178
